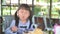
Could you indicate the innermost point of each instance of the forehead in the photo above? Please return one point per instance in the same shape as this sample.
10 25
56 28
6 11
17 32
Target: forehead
23 10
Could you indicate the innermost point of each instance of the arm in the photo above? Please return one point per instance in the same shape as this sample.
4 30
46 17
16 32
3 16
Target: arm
8 30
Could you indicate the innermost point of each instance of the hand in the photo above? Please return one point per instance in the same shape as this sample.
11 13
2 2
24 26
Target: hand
14 28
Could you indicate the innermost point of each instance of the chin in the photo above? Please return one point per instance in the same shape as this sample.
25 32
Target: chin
23 19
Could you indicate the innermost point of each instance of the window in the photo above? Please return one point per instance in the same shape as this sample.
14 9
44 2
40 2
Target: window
14 2
5 2
55 13
13 10
6 10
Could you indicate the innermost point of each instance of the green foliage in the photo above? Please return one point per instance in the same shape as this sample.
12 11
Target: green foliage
52 1
36 10
48 1
1 0
37 0
55 0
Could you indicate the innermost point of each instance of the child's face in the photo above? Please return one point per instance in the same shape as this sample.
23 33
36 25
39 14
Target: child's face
23 14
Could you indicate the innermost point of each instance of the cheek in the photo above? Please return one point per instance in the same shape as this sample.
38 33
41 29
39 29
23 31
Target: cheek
19 15
27 15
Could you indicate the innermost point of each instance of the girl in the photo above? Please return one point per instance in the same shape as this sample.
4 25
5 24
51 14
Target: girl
22 22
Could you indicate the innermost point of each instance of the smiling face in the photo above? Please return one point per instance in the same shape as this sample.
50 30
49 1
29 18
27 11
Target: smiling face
23 14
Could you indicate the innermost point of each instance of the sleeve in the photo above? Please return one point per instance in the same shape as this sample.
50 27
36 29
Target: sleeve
8 30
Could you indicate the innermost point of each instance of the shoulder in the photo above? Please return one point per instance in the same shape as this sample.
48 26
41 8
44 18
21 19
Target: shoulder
12 23
13 20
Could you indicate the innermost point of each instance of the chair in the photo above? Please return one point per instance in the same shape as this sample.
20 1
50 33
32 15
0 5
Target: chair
7 21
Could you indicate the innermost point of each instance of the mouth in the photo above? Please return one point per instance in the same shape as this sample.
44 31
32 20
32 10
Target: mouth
23 17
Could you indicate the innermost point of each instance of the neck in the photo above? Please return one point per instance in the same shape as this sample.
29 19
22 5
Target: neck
23 21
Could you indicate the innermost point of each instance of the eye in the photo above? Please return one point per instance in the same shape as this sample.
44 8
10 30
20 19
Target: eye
27 12
21 11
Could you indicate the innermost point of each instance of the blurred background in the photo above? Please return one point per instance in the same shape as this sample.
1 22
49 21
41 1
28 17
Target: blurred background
46 12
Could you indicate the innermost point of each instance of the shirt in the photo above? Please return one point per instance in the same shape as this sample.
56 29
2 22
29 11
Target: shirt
21 27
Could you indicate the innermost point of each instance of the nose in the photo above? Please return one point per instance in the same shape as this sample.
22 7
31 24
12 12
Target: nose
23 13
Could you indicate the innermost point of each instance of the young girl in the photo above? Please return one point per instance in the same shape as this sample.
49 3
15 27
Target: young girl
22 22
